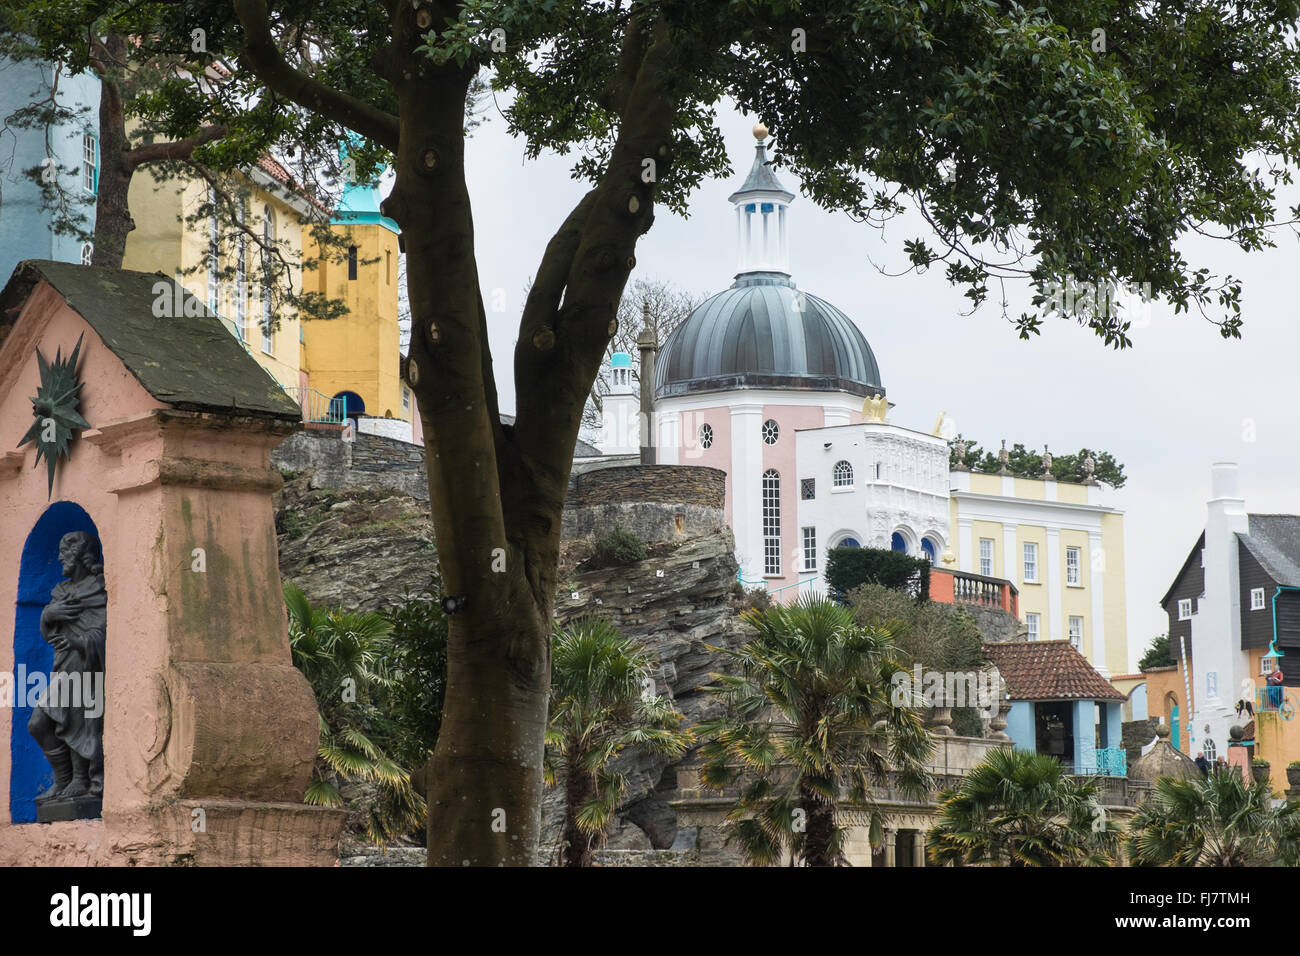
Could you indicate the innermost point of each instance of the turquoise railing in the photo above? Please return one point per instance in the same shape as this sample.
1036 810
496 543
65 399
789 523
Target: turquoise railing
1274 700
1111 762
317 407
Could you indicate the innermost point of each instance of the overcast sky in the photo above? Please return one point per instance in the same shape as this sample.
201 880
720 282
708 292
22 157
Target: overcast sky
1181 398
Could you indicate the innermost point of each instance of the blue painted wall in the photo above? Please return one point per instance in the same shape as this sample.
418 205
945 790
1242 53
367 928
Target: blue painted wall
38 573
25 227
1085 736
1020 726
1112 721
1139 698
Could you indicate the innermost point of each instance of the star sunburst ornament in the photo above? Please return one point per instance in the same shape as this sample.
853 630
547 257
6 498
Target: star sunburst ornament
55 407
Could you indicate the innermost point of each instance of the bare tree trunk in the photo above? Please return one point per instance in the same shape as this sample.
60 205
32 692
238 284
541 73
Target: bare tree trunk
819 822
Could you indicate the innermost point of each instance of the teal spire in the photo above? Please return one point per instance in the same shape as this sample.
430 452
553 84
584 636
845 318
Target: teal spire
359 204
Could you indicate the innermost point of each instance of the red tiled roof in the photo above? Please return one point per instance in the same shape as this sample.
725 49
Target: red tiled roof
285 178
1048 670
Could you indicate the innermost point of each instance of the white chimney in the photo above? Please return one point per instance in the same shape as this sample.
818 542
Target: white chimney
1218 662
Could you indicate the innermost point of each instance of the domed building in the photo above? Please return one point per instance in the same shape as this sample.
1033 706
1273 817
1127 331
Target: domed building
763 368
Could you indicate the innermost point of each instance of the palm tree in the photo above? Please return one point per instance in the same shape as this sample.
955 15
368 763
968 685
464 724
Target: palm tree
345 657
1020 809
809 723
1216 820
602 703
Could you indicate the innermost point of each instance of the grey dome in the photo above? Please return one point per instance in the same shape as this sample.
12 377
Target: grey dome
751 335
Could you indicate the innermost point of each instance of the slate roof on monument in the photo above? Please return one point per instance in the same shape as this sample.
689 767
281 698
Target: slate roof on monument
190 362
765 332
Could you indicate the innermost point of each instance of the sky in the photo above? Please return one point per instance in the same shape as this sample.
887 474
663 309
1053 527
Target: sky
1180 399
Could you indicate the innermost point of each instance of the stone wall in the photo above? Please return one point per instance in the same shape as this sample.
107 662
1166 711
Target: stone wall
995 624
371 461
655 502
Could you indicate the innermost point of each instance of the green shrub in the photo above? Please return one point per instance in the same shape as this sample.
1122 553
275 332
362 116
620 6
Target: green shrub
419 666
619 547
1293 765
1259 762
848 568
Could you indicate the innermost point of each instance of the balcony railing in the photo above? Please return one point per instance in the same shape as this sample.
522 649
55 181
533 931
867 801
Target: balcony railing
1274 700
317 407
979 589
1111 762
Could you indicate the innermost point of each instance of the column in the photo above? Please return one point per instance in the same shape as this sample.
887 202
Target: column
891 835
966 556
1085 735
670 440
1052 582
918 848
747 487
1012 559
1096 575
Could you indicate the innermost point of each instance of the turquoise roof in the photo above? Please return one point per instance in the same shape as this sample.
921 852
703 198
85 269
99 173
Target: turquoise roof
359 205
620 360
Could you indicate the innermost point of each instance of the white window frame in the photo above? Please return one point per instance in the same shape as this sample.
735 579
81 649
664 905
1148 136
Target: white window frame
1211 752
268 240
809 549
87 253
1184 609
986 560
1266 665
1073 574
406 397
842 474
1257 599
1032 629
774 432
90 162
1076 631
771 498
1030 555
706 435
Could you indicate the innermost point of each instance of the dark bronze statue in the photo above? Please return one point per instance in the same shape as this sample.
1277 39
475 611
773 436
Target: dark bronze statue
68 721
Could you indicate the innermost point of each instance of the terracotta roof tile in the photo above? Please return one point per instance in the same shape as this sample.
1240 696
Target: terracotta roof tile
1048 670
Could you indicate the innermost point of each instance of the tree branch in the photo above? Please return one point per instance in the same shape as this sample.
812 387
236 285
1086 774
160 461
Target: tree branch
263 57
180 149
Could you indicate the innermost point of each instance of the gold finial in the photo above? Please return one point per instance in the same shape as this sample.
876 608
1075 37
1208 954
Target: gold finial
760 131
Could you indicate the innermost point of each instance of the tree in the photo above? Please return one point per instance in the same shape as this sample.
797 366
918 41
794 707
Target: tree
810 723
1215 820
1158 654
848 568
603 702
1033 150
1019 809
1028 463
346 658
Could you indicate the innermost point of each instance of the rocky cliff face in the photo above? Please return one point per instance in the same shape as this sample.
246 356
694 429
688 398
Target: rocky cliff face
677 603
358 548
361 548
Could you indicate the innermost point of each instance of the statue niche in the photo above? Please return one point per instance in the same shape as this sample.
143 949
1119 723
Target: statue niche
68 720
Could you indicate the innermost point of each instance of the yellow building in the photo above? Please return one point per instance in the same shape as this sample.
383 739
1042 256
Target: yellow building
162 241
1060 545
357 357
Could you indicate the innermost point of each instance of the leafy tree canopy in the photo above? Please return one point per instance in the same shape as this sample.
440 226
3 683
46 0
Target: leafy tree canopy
1158 654
1025 462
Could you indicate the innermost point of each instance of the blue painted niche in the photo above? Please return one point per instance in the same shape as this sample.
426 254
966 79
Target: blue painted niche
38 573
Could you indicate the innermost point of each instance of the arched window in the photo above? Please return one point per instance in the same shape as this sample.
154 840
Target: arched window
771 522
87 253
929 549
1208 748
848 543
898 543
706 436
843 474
770 432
